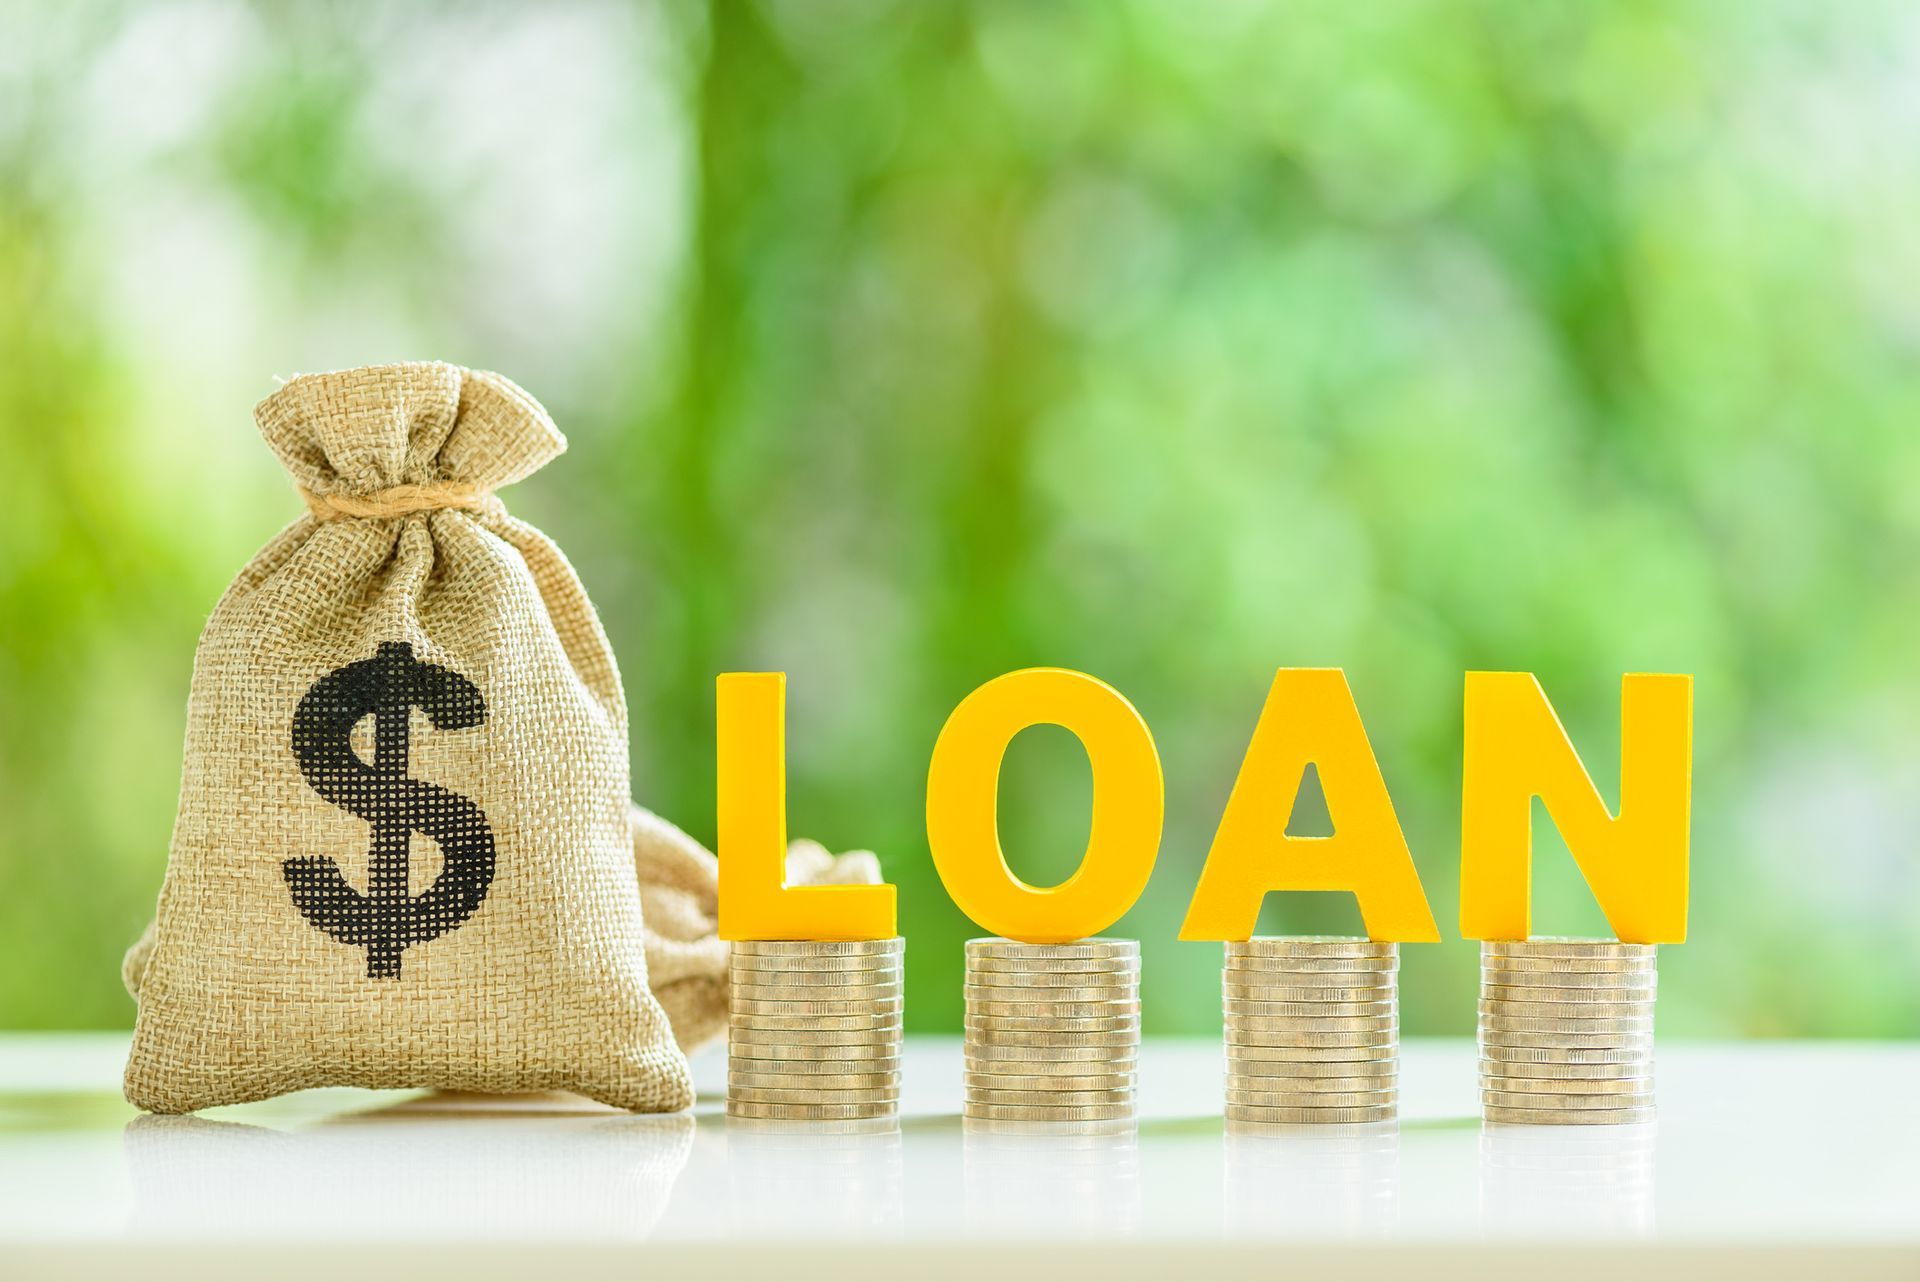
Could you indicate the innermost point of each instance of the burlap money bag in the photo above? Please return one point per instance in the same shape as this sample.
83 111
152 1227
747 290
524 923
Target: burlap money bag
402 855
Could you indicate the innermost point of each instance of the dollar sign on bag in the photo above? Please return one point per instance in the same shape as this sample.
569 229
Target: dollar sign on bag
387 920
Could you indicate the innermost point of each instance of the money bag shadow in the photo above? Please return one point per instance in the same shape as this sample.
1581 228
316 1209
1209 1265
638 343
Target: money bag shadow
436 1168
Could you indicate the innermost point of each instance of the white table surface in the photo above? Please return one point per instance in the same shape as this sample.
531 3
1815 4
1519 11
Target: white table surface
1780 1159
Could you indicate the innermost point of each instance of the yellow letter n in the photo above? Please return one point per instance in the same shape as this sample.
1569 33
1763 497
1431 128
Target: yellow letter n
1634 862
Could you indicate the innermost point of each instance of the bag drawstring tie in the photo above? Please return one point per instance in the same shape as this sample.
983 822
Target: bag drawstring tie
400 500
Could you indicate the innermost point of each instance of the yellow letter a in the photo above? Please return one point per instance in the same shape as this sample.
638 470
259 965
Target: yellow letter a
1516 750
1309 717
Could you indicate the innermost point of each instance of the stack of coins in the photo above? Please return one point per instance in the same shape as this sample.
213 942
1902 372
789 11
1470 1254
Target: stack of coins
814 1033
1312 1030
1052 1031
1566 1031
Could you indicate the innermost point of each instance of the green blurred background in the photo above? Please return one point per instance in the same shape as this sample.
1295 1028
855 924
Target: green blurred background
903 344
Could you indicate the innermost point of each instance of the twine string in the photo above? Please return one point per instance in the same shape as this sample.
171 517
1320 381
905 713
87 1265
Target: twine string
399 500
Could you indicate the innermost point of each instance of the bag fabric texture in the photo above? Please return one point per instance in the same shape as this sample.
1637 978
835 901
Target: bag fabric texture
403 855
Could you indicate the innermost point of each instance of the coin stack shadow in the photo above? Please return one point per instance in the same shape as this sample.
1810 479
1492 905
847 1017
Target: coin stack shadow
1566 1031
1052 1030
814 1031
1312 1030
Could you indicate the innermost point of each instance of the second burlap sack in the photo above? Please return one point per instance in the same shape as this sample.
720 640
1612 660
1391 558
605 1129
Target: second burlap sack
403 855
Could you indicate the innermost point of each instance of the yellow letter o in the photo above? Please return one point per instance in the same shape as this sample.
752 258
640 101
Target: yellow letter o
963 784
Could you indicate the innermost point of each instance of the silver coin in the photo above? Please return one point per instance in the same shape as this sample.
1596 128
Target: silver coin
988 1009
1566 1116
1051 1023
1606 969
1641 1043
810 1112
1028 1053
742 1035
1641 1085
1498 1023
1499 1098
1383 1098
1126 1037
1615 980
813 1052
1369 1050
1376 1039
755 993
1049 1081
1505 1049
1565 1010
1070 1133
1099 1077
1239 991
745 1002
1561 946
990 969
744 1006
1328 1070
811 1095
1309 1010
1258 1028
1047 985
878 1020
811 1081
1565 1072
1048 1096
1285 1116
796 967
806 985
1371 1138
1638 998
817 947
1309 946
1343 969
1076 950
1078 996
1307 1086
977 993
1102 1112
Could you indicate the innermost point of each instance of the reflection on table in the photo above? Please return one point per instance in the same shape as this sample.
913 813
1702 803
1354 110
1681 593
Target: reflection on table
1586 1181
442 1166
1329 1181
